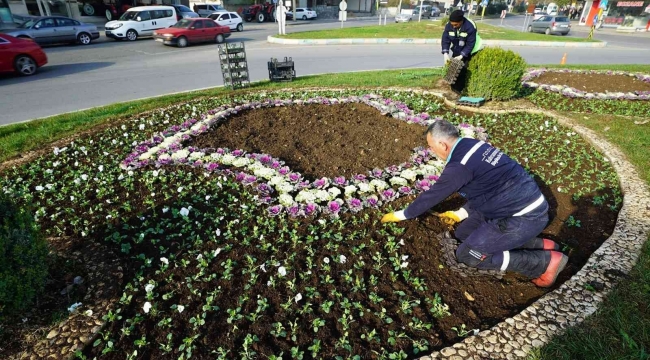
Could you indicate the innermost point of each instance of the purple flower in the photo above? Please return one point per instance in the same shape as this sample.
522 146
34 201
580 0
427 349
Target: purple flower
265 159
394 170
264 188
249 179
221 151
372 201
405 190
310 209
164 161
275 164
240 177
294 211
302 185
274 210
198 163
355 204
212 166
389 195
433 178
238 152
422 185
339 180
294 177
377 173
264 200
158 139
185 137
182 160
321 183
359 177
284 170
334 207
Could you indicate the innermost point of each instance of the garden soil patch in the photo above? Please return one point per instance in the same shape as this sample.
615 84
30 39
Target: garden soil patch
601 83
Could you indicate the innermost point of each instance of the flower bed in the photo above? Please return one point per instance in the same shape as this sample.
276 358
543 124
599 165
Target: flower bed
208 272
572 92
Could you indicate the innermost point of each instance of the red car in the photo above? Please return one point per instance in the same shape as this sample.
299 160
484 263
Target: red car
189 31
20 55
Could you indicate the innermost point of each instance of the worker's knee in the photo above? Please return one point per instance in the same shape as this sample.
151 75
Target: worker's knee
468 256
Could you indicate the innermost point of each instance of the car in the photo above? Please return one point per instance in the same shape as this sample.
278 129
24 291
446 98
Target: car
204 10
55 29
21 56
428 11
403 18
141 21
539 15
551 25
183 12
230 19
192 31
302 13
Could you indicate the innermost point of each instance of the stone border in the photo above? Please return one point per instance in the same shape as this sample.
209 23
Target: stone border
359 41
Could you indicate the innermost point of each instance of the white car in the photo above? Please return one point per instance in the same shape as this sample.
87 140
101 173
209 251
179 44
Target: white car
141 21
229 19
303 13
204 10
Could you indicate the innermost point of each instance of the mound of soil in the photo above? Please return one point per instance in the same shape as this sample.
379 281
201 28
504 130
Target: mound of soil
594 82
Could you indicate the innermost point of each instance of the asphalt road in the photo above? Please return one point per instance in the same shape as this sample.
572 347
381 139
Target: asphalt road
79 77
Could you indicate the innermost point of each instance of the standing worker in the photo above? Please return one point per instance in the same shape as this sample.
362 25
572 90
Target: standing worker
462 33
505 210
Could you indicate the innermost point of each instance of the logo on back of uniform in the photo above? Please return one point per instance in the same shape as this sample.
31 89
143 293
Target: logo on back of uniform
492 156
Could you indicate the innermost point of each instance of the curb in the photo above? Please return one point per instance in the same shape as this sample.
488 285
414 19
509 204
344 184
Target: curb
275 40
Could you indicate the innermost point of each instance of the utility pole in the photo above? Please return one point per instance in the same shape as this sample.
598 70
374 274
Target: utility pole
293 10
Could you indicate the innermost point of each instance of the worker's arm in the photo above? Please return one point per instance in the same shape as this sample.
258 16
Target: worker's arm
470 41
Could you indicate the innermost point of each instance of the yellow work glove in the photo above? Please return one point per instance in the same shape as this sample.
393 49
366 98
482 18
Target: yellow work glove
393 217
453 217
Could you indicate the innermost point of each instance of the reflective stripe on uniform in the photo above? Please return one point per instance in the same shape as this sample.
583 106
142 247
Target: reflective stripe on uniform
479 43
531 207
463 34
506 260
452 33
471 152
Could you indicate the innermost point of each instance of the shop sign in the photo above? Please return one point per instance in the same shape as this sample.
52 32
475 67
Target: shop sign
629 4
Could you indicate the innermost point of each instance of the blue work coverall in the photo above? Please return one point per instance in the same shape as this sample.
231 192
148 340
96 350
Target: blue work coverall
506 209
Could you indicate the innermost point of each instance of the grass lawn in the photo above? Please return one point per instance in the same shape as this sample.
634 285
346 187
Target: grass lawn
621 327
424 30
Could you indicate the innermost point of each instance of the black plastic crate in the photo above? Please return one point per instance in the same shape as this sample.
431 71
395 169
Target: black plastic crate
281 70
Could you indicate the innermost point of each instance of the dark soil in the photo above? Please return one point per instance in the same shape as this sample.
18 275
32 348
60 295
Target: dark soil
594 82
319 143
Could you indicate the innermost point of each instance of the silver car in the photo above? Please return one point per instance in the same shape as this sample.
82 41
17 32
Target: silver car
55 29
551 25
403 18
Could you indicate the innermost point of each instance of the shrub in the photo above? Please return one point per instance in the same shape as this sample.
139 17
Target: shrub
495 74
23 256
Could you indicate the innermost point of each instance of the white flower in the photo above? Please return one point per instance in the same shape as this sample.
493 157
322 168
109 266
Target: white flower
145 156
378 184
165 209
146 307
322 195
88 312
263 267
404 264
218 232
215 156
39 188
149 288
164 260
196 155
184 212
180 308
74 307
276 180
216 252
350 190
284 188
326 260
141 127
241 162
298 297
164 157
227 159
398 181
267 173
285 200
282 270
180 188
342 259
181 154
364 187
334 192
305 196
409 174
401 242
404 257
199 256
467 133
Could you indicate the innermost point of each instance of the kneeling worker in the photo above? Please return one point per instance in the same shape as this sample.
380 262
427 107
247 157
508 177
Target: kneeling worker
462 33
505 208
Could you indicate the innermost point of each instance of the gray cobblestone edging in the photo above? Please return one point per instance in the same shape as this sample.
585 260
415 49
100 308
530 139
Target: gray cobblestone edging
275 40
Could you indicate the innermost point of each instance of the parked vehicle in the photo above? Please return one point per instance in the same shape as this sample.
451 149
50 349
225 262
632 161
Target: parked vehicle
183 12
231 20
204 10
403 18
141 21
428 12
20 55
260 12
303 13
551 25
192 31
55 29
